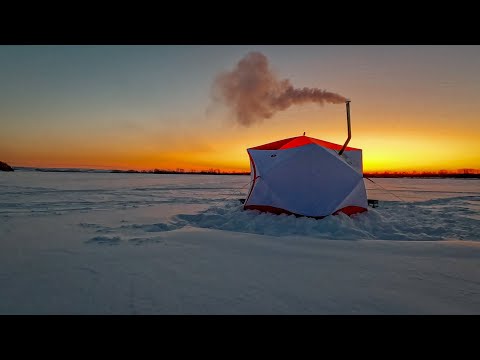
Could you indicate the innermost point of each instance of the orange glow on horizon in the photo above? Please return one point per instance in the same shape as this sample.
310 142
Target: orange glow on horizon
409 147
379 154
414 108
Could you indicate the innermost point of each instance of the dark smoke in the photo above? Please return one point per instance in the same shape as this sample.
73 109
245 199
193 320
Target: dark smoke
254 93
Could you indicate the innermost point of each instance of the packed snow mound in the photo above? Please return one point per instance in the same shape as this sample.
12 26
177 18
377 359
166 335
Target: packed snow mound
441 219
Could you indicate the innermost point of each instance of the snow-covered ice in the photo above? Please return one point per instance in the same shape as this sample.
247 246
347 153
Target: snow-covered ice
101 243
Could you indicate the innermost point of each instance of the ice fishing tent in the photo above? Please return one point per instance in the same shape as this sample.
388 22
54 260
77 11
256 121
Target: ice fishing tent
306 176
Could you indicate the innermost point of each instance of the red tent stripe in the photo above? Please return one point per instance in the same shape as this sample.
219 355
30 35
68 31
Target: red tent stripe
348 210
297 142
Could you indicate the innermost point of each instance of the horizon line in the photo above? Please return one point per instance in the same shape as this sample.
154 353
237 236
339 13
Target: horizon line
218 170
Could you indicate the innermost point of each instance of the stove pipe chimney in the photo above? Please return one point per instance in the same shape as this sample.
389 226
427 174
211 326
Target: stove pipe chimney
347 102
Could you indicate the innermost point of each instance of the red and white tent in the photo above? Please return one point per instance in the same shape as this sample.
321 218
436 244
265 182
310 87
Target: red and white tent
306 176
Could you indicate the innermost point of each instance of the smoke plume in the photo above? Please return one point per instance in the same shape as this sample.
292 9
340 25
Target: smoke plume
254 93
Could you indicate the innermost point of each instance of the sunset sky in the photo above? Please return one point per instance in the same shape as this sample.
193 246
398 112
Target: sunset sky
144 107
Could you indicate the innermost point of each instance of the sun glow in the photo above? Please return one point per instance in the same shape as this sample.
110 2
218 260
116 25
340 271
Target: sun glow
154 110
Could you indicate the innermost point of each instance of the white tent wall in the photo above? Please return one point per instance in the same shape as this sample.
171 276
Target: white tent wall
354 158
357 197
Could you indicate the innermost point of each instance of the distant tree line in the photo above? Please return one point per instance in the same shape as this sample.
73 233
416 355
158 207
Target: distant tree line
183 171
460 173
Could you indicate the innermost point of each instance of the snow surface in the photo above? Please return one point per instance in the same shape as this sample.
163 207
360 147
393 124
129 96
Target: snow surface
101 243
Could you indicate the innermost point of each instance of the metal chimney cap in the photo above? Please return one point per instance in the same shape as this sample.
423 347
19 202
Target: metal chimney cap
347 100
